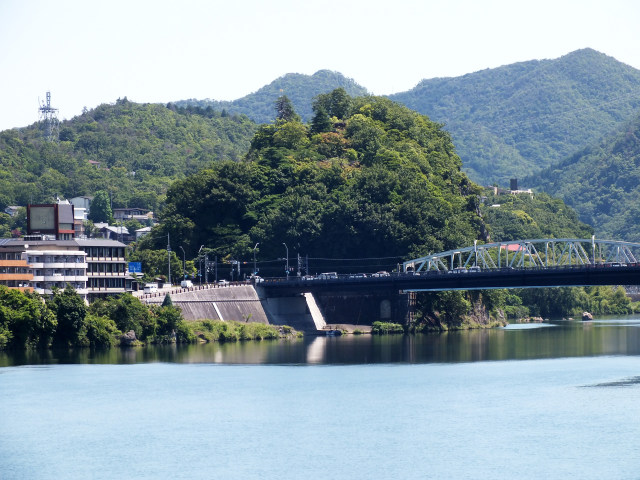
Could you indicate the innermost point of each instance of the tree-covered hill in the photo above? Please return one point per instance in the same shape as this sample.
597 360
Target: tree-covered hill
522 216
518 119
300 89
602 183
134 151
366 178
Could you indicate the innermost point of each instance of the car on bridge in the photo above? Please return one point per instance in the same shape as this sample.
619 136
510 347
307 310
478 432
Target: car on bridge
328 276
381 274
465 270
358 275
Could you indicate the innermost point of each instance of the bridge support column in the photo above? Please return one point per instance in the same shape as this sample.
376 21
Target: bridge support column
363 309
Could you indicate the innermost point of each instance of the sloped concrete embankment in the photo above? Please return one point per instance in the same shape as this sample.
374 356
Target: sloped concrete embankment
238 302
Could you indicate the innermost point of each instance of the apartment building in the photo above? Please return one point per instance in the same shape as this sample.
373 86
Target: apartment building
95 268
15 272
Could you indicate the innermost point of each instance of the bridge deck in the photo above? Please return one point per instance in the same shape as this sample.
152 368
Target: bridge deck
584 275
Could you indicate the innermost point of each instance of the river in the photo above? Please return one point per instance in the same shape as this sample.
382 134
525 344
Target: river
554 400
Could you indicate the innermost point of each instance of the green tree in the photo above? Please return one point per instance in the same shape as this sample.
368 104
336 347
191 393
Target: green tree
320 122
102 332
285 110
337 103
128 313
100 210
71 312
25 321
132 225
171 325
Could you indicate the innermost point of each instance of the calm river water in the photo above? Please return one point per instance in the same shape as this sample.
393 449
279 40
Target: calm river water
541 401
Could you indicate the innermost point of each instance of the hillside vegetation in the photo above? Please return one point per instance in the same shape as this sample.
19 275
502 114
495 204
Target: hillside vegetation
518 217
366 178
137 150
300 89
518 119
602 183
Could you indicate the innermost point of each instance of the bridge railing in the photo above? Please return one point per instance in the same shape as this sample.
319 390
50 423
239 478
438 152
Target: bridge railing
531 253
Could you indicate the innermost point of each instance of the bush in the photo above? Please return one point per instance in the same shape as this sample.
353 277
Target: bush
102 332
386 328
221 331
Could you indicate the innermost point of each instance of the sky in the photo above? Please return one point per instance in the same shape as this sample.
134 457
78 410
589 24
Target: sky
89 52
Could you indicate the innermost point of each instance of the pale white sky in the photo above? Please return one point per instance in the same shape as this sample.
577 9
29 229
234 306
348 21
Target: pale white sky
88 52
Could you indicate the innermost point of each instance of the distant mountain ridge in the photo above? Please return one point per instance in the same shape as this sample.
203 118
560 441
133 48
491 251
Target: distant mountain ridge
510 121
602 182
299 88
133 150
518 119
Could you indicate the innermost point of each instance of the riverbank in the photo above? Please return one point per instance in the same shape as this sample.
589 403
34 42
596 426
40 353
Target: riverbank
206 331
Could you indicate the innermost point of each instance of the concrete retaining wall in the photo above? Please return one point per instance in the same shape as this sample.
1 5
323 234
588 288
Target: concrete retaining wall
304 312
238 302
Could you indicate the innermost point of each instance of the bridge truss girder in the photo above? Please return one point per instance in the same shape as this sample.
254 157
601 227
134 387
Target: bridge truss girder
535 253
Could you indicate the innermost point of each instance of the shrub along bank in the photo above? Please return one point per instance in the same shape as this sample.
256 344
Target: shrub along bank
29 321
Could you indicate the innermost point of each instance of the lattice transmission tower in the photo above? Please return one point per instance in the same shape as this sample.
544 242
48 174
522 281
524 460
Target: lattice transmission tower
48 118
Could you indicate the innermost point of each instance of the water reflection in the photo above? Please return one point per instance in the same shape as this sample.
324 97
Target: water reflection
626 382
566 339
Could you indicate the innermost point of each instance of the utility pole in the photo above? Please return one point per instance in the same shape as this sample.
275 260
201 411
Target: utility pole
287 265
200 264
206 268
169 257
298 273
255 271
184 263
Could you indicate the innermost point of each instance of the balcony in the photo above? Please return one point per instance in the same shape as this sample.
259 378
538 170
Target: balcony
106 289
60 266
60 278
47 291
107 274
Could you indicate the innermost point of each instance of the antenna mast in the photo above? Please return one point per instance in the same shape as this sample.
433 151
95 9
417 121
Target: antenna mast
48 119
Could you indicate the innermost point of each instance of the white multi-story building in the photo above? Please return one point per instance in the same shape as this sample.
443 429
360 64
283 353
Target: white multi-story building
95 268
57 268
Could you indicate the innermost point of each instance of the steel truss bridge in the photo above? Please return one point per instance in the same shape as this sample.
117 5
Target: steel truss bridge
552 262
538 253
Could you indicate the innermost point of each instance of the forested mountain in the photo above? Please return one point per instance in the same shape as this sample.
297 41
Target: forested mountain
300 89
134 151
379 180
518 119
602 183
506 122
517 217
366 179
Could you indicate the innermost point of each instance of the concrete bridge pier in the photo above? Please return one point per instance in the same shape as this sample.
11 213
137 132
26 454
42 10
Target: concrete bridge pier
299 311
363 309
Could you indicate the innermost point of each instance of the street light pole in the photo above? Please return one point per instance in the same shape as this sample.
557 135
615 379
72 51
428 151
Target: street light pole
200 264
184 263
255 272
285 246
